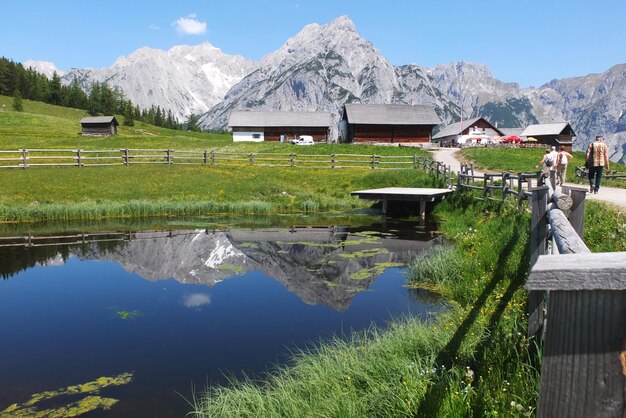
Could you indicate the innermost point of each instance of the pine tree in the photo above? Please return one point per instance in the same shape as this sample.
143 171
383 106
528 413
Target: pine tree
17 101
129 119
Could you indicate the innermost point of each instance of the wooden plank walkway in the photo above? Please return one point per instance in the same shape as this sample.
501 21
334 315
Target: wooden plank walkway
404 194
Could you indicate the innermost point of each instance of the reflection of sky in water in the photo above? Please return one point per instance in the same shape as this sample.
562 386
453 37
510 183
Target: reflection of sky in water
196 300
62 325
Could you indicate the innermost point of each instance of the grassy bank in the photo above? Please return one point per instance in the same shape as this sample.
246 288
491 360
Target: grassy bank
93 193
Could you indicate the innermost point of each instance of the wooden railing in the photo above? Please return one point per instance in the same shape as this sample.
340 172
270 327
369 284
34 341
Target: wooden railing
583 172
583 295
28 158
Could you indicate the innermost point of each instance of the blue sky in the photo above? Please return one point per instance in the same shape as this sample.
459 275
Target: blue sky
530 42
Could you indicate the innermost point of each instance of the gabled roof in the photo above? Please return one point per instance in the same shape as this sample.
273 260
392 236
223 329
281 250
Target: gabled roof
278 118
556 128
99 120
458 127
390 114
512 131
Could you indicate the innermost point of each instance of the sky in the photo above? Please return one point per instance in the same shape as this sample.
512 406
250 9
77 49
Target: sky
529 42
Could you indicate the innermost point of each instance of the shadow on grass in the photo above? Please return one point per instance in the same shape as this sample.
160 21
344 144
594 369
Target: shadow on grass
435 394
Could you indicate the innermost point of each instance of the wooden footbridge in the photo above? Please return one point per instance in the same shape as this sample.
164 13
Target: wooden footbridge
404 194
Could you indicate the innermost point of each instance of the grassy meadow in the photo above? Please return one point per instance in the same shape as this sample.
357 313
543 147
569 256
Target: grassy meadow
525 160
87 193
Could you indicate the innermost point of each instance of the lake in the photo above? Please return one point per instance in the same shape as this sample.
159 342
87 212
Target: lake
130 322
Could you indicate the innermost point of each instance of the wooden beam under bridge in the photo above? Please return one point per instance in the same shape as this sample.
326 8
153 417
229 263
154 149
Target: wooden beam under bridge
404 194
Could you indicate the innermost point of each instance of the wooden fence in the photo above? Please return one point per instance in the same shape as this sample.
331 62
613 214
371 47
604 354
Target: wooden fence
583 172
28 158
576 299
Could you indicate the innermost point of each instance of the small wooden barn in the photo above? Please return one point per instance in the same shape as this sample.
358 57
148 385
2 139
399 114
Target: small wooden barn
551 134
476 126
389 123
99 125
255 126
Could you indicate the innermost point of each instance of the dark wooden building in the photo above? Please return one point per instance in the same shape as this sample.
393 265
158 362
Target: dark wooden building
391 123
551 134
254 126
99 125
476 126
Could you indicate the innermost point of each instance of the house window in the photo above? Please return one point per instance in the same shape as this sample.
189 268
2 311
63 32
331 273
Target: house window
256 136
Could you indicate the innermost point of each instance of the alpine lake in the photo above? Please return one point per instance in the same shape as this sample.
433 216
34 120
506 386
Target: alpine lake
130 318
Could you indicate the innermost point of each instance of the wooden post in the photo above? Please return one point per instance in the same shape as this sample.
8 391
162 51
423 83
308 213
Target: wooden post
520 191
485 189
577 212
538 232
125 156
415 161
204 154
583 372
422 213
212 157
78 158
293 160
169 156
333 160
24 158
384 209
251 158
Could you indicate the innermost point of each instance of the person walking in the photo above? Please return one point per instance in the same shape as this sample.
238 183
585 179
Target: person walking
548 163
561 165
596 158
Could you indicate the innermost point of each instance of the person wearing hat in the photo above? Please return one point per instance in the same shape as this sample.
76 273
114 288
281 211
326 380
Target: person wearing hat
596 158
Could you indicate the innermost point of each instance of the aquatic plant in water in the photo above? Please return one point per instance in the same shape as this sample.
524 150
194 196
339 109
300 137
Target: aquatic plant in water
87 404
377 270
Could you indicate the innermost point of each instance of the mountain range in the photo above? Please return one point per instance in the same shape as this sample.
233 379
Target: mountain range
325 66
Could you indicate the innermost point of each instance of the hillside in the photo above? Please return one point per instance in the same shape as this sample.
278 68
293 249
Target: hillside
48 126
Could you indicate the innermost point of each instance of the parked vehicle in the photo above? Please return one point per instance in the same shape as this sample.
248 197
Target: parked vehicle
303 140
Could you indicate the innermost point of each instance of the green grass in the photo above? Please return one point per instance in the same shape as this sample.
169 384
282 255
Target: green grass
524 160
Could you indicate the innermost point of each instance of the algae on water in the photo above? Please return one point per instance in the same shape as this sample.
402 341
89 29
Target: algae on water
89 403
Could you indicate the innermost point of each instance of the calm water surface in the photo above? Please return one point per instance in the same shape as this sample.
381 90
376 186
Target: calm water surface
147 317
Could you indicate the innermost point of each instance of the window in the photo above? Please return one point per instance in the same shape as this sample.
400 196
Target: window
256 136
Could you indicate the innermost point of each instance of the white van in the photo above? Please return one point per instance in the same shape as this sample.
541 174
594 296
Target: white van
303 140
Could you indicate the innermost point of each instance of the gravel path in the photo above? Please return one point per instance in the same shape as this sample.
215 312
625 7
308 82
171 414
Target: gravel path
613 195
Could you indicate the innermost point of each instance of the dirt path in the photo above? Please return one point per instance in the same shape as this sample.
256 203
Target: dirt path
613 195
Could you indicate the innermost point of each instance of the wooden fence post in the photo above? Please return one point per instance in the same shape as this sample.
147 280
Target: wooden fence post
125 156
204 154
251 158
80 164
212 157
169 156
333 160
538 233
414 161
577 213
24 158
583 371
373 161
293 160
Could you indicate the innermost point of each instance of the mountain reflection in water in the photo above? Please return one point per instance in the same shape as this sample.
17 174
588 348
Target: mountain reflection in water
321 265
146 315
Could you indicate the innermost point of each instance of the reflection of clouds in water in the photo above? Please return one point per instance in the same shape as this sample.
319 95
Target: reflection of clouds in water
196 300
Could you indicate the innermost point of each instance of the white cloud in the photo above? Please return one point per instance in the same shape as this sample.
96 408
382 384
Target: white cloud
154 27
189 25
196 300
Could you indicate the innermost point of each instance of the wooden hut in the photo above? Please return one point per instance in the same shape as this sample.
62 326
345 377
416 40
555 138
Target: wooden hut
276 125
99 125
552 134
480 127
388 123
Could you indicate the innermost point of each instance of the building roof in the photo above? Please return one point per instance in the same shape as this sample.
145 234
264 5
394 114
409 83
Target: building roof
512 131
458 127
547 129
278 118
98 120
390 114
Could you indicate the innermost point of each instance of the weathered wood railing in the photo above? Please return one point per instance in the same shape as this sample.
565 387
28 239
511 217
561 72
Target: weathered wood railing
583 370
583 172
27 158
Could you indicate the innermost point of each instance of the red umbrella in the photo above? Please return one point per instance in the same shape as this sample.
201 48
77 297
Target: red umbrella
512 138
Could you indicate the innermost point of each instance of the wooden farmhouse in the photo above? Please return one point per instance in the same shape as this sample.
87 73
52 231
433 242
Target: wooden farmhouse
277 126
99 125
389 123
557 134
479 127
